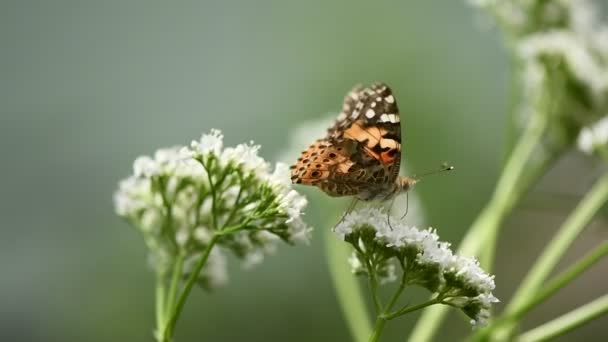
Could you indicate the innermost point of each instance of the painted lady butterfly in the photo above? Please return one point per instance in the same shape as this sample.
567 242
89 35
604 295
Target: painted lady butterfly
361 153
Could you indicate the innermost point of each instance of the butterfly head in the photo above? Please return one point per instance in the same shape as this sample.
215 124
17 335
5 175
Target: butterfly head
403 184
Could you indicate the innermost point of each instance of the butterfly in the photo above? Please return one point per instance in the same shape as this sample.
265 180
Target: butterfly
361 153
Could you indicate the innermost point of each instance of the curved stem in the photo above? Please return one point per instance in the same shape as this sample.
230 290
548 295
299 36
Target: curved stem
408 309
552 287
567 322
563 279
509 190
168 331
544 265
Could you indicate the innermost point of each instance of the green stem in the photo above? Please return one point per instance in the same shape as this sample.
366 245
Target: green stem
485 229
177 272
544 265
509 188
386 315
408 309
563 279
397 294
378 328
160 306
168 332
373 285
347 288
213 194
383 317
567 322
547 291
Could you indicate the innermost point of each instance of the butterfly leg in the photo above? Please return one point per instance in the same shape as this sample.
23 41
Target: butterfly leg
407 207
350 208
388 214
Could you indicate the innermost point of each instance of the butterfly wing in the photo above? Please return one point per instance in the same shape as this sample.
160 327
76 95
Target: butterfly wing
377 129
361 151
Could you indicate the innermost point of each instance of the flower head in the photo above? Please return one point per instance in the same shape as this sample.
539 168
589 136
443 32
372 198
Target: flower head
562 53
424 260
183 196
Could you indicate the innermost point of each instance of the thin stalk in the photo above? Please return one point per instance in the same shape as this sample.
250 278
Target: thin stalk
382 317
188 287
160 306
544 265
567 322
378 328
552 287
177 272
563 279
373 285
386 315
508 190
347 288
396 295
408 309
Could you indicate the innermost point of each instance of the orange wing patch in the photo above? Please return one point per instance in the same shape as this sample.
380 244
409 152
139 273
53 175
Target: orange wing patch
319 161
383 149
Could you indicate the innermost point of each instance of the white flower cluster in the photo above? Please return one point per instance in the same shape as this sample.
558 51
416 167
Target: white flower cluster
424 260
562 47
184 196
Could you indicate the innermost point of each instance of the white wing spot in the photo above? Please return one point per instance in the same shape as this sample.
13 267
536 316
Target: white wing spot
373 105
389 99
342 116
384 118
378 99
370 113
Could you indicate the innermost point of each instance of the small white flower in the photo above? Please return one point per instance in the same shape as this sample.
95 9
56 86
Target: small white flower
562 52
579 57
209 143
145 166
246 155
593 137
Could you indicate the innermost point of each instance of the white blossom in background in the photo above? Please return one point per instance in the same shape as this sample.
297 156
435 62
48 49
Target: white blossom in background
594 137
183 196
561 49
421 258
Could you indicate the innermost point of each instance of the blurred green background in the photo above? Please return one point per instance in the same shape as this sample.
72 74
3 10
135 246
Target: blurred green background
85 87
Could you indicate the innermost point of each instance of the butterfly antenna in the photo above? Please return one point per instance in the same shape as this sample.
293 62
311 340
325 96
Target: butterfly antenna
444 167
407 205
